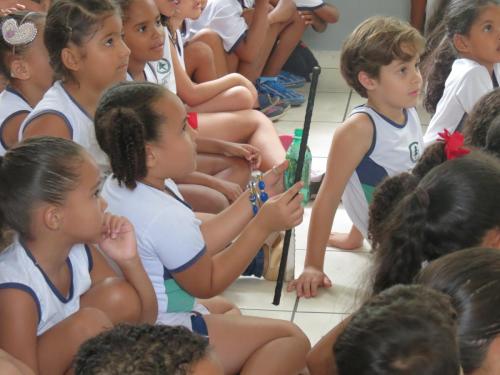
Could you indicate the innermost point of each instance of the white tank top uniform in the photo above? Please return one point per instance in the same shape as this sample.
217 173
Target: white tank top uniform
395 148
223 17
80 124
162 71
19 270
169 240
12 104
467 82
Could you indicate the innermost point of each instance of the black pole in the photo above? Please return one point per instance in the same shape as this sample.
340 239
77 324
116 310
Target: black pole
298 176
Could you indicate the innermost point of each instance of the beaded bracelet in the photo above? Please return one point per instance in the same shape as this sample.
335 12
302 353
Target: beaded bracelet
258 195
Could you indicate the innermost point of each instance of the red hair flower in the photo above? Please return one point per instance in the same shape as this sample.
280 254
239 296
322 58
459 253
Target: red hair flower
453 144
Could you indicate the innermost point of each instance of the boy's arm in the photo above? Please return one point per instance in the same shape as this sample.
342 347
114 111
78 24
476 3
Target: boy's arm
350 143
248 49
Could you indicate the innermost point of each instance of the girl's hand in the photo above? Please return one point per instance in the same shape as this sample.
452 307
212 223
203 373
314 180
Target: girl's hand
283 211
247 152
274 178
118 238
231 190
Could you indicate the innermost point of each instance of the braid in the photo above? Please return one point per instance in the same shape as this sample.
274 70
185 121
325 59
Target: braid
127 151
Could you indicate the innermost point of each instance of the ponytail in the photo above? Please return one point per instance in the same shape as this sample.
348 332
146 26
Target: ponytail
124 122
124 144
385 198
443 60
400 255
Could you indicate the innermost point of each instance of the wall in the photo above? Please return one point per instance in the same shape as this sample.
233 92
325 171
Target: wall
353 12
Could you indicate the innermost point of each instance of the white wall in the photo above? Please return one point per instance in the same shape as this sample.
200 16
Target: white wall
353 12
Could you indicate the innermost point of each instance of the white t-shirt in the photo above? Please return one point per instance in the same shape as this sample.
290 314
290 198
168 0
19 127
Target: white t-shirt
395 148
467 82
223 17
80 124
18 270
12 104
169 241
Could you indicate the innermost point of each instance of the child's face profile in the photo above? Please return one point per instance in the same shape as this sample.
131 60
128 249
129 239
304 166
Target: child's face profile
175 150
398 83
103 59
144 33
482 43
82 213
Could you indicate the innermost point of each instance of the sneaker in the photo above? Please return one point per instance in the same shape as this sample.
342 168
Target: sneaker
270 85
273 112
291 80
266 100
273 248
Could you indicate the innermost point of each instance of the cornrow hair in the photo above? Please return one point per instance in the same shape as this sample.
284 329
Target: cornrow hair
124 124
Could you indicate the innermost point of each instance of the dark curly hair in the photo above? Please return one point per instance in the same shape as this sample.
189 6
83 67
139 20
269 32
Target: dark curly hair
141 350
391 191
374 43
73 21
472 279
124 121
481 118
452 207
405 330
458 19
40 169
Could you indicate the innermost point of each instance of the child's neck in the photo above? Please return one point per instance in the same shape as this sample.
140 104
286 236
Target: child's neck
86 96
50 253
30 92
175 22
488 65
395 114
136 69
157 182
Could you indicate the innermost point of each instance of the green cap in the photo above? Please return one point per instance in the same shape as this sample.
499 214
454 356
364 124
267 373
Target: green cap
297 133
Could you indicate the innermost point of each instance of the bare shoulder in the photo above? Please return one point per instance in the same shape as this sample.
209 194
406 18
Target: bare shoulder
49 124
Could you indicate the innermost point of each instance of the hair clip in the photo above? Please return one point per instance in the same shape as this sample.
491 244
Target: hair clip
453 144
16 35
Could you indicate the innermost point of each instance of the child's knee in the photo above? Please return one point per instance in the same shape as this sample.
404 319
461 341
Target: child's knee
243 97
88 322
201 52
125 298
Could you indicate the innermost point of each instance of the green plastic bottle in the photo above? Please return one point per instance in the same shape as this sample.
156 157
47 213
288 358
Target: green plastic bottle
292 155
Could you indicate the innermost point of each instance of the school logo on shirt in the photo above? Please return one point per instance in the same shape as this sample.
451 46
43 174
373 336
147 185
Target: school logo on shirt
163 66
414 151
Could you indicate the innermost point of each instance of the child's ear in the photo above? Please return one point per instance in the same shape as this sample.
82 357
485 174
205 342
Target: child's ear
71 57
150 156
366 80
52 217
461 43
19 69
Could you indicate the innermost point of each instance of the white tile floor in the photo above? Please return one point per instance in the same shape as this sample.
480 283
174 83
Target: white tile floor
315 316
